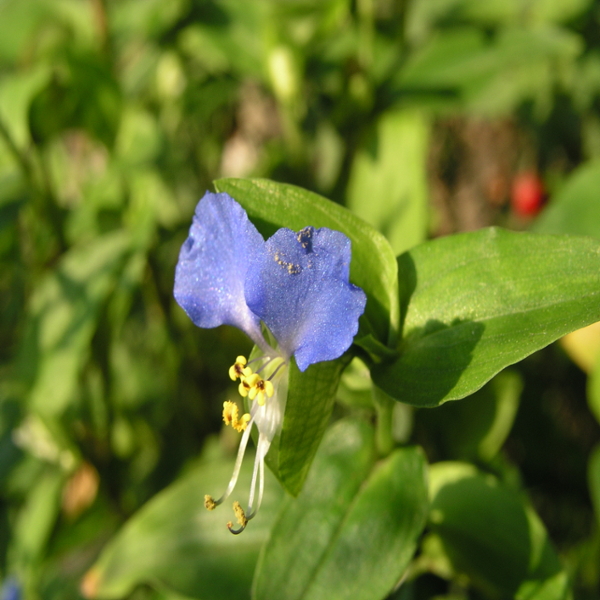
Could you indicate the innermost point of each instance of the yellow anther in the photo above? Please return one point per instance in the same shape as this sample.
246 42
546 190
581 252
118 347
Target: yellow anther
240 515
247 384
241 518
239 369
252 380
243 422
231 416
209 502
262 390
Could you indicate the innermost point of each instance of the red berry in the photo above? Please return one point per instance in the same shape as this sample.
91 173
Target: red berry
527 194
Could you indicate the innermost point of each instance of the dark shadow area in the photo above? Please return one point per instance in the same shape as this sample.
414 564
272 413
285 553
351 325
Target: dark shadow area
407 282
431 362
486 533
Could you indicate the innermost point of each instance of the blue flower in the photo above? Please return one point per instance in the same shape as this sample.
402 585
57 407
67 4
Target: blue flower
10 590
292 288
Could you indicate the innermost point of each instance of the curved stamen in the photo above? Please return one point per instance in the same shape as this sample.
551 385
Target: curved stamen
211 504
241 519
235 531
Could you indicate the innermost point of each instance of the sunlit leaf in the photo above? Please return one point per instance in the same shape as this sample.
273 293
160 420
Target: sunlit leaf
478 302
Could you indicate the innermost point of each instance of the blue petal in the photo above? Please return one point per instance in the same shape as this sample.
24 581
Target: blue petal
300 289
213 264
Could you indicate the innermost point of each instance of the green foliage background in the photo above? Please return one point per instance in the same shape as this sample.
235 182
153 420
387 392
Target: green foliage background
116 116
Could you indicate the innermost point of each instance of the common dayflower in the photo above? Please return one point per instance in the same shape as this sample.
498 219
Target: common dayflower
290 294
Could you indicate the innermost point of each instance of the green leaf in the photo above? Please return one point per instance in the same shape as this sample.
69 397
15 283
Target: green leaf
352 531
489 533
478 302
311 396
272 205
388 183
576 207
174 543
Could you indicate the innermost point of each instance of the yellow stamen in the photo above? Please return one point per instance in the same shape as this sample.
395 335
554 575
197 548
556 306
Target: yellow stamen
209 502
239 369
231 416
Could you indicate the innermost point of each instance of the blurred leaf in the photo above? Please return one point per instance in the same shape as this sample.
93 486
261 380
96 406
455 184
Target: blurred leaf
174 543
388 183
478 302
83 93
512 11
10 414
491 75
35 522
583 346
16 94
272 205
449 60
492 535
304 426
576 207
350 533
63 313
230 36
594 481
151 203
527 63
426 17
476 428
144 18
593 389
356 385
139 137
19 21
